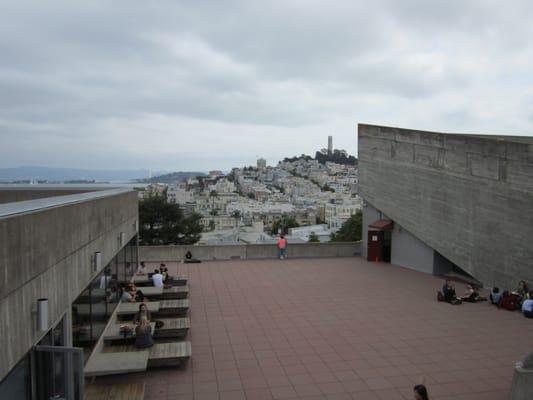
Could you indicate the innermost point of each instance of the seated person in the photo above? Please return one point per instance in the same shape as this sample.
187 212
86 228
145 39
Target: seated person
527 306
521 292
142 315
126 295
448 290
143 335
495 296
157 279
164 272
472 295
135 293
141 270
508 301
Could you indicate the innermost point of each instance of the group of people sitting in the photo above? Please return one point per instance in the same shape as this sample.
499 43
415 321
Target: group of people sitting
449 295
159 277
142 319
131 294
520 298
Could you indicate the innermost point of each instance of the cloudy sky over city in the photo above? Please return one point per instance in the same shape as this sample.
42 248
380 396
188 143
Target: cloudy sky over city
199 85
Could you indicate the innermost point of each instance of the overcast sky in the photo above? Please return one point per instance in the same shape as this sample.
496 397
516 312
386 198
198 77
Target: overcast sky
199 85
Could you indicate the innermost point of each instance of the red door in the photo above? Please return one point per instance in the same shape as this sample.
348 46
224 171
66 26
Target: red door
375 246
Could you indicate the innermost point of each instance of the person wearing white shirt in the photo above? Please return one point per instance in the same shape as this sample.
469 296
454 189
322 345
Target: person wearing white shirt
157 279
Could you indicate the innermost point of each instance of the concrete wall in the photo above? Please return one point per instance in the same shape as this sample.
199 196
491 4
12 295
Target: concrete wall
468 197
248 251
48 253
407 251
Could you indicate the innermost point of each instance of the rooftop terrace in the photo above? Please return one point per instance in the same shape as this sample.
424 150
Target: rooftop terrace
336 328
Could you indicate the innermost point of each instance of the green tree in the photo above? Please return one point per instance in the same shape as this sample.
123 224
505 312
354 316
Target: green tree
313 238
283 224
161 223
351 230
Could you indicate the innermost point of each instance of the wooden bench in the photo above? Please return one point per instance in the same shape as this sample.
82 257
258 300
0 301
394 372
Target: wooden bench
172 293
144 280
172 308
171 354
116 391
111 363
173 328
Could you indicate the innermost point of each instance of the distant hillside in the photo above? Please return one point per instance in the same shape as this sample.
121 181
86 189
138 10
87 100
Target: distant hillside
172 177
69 174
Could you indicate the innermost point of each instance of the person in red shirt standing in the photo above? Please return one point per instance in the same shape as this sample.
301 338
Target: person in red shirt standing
282 247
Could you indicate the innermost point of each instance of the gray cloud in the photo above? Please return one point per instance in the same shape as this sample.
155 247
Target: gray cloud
199 85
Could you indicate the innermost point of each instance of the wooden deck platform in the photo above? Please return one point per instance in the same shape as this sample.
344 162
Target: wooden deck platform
116 391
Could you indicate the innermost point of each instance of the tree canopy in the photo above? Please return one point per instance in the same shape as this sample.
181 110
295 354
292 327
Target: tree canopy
313 238
351 230
161 223
283 224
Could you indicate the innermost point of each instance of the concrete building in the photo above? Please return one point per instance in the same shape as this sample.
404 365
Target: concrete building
330 145
62 256
442 203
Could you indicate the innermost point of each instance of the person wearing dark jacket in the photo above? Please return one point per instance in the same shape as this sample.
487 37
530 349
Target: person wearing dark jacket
448 290
143 335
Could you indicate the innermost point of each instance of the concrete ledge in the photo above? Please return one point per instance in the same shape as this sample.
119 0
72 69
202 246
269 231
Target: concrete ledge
249 251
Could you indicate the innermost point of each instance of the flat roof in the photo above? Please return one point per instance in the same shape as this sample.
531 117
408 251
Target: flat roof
335 328
495 137
28 206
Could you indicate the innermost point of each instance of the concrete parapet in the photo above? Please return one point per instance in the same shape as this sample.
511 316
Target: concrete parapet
248 251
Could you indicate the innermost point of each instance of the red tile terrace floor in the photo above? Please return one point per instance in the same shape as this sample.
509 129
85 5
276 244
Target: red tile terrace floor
336 328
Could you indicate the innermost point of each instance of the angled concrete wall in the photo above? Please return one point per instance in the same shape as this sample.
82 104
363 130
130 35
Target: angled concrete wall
469 197
47 253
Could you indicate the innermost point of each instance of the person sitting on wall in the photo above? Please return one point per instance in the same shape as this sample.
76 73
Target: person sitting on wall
142 315
472 295
495 296
527 306
143 335
448 292
189 259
